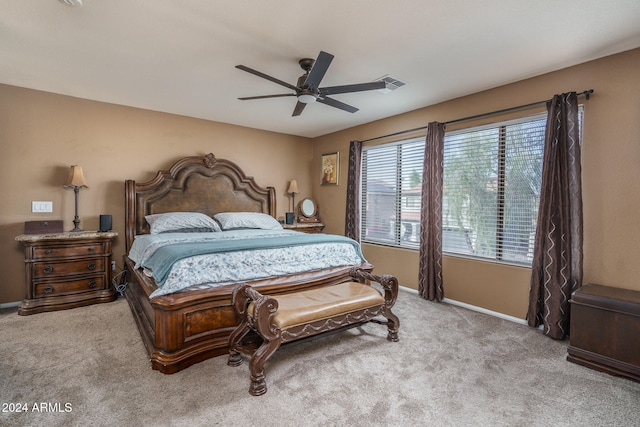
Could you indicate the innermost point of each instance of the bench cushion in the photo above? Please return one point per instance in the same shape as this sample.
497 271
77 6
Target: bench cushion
323 303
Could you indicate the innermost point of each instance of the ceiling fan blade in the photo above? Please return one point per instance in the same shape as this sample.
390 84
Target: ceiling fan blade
332 90
320 67
334 103
298 110
264 76
266 96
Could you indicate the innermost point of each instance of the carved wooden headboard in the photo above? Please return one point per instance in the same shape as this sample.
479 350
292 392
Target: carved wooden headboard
194 184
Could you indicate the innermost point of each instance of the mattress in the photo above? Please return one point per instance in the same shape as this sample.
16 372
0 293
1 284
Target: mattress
201 260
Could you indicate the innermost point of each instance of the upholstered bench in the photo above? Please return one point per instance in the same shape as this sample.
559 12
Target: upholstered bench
279 319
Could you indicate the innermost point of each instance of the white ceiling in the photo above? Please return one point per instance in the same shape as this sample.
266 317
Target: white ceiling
179 56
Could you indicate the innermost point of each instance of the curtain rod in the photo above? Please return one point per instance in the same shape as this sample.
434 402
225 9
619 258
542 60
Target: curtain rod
585 93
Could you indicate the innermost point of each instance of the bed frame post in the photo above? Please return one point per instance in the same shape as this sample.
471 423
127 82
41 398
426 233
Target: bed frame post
129 212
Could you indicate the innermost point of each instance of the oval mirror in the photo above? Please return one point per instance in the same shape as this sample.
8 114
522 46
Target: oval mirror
308 207
307 211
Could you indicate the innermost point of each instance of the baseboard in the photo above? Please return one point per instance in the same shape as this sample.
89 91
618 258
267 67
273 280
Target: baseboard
9 304
411 290
475 308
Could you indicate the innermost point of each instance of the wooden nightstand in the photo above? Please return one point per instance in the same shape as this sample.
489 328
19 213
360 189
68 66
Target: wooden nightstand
305 227
66 270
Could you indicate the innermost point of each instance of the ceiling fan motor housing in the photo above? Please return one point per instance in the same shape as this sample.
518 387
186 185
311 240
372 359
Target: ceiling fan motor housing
307 64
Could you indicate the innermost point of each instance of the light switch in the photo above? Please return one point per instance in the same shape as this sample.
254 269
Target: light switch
41 206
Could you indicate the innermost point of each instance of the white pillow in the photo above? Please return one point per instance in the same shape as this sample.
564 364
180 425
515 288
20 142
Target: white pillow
181 222
231 220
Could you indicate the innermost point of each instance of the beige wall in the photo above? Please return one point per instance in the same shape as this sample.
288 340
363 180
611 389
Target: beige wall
42 134
611 167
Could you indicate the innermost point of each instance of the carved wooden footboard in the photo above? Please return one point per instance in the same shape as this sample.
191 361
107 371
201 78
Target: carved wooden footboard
181 329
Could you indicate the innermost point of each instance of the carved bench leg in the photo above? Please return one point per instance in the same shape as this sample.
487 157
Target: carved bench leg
235 358
256 366
393 324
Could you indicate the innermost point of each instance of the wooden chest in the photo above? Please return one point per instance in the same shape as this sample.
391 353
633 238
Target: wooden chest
605 330
43 227
66 270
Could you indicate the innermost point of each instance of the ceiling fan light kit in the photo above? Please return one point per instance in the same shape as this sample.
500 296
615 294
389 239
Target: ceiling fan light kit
308 88
306 98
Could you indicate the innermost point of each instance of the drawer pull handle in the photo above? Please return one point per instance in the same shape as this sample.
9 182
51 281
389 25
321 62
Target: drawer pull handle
91 249
47 252
91 266
92 284
48 289
48 269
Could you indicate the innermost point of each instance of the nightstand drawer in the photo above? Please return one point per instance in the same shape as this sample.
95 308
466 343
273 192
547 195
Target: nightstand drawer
55 269
305 227
69 286
67 251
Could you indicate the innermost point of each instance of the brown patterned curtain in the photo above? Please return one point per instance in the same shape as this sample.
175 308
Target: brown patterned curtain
352 220
430 274
557 258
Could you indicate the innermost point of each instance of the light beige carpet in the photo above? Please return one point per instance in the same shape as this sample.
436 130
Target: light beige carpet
452 367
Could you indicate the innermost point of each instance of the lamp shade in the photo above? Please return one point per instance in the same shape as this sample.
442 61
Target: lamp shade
293 187
76 177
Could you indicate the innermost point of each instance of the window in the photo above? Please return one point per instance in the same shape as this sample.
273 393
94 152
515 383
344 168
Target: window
491 191
391 189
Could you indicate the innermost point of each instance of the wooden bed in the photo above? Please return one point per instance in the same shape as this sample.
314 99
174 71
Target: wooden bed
184 328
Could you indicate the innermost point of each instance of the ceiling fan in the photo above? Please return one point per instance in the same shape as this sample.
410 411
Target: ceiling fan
308 89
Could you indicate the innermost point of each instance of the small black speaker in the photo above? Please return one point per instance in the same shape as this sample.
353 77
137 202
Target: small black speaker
289 217
105 222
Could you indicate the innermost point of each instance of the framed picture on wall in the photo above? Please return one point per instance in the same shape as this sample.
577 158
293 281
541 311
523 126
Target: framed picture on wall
330 167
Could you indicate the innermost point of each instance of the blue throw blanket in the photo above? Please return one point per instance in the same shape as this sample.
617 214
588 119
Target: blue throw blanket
162 260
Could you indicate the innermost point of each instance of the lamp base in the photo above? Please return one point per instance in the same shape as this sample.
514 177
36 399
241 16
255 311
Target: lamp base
76 218
76 225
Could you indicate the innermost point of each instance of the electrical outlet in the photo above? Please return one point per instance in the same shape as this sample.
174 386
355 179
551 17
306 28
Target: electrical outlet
113 265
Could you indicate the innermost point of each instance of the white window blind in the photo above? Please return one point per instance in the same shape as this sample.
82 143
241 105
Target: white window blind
491 189
391 188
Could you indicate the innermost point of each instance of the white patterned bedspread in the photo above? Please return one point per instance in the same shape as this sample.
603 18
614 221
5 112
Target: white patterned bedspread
211 270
